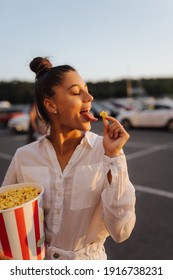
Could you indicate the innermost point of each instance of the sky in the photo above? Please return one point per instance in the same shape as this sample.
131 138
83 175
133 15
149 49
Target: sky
103 39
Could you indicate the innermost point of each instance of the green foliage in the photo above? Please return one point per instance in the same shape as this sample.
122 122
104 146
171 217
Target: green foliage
158 87
18 92
153 87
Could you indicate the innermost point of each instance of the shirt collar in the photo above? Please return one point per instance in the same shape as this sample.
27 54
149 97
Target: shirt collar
90 138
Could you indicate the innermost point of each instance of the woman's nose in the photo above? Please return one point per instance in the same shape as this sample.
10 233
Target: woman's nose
88 97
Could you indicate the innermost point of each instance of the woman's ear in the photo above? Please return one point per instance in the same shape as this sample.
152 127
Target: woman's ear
50 106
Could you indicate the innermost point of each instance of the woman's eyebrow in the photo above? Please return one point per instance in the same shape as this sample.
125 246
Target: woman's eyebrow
77 85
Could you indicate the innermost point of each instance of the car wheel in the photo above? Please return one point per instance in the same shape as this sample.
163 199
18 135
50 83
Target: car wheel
126 123
170 125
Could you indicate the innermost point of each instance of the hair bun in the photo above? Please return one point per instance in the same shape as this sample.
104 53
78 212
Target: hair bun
39 65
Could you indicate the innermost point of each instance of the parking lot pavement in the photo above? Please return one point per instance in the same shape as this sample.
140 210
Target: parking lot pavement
151 238
150 159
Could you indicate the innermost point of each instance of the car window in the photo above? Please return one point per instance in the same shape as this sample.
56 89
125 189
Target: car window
144 107
161 107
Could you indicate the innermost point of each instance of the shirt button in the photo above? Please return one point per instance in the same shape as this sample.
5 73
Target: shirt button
56 255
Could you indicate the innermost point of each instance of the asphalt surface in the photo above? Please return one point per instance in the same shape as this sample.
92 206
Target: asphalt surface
150 164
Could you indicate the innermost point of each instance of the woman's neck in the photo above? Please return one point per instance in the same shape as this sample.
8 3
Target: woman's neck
65 142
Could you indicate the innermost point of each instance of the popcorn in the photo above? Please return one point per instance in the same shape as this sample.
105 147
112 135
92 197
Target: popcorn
16 197
22 221
103 114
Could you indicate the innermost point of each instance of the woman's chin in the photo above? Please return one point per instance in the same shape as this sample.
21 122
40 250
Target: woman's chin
86 126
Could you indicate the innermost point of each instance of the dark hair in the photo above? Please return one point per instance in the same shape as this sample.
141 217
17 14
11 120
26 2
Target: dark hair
47 77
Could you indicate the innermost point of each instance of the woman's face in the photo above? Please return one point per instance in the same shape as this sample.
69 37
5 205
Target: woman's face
73 103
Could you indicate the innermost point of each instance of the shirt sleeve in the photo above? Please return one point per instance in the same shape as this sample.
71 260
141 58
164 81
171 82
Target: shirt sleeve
10 176
118 198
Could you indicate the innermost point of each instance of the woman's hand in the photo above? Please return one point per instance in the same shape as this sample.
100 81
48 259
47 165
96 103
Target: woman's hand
114 136
3 257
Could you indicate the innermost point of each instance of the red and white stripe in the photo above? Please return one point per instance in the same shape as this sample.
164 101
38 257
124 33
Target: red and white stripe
20 231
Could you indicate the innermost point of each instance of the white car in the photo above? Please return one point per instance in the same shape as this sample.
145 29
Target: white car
158 114
19 123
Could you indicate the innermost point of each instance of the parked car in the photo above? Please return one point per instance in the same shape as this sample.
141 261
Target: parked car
158 114
19 123
7 113
125 103
5 104
97 108
109 108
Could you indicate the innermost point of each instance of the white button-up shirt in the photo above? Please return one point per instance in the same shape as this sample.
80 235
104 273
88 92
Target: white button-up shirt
81 206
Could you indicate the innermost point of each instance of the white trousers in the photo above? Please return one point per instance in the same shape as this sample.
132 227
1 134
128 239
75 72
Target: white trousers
94 251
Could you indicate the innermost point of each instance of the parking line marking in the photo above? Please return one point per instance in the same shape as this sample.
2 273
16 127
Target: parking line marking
154 191
15 138
5 156
149 150
139 144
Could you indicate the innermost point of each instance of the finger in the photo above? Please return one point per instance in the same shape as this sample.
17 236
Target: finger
105 126
109 118
117 124
116 131
115 127
113 122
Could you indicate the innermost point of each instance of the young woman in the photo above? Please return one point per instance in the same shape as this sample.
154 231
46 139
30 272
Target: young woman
88 195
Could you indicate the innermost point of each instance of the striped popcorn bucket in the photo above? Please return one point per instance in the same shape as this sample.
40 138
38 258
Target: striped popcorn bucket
22 227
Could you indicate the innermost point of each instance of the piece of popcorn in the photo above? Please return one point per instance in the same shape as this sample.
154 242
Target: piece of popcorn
103 114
